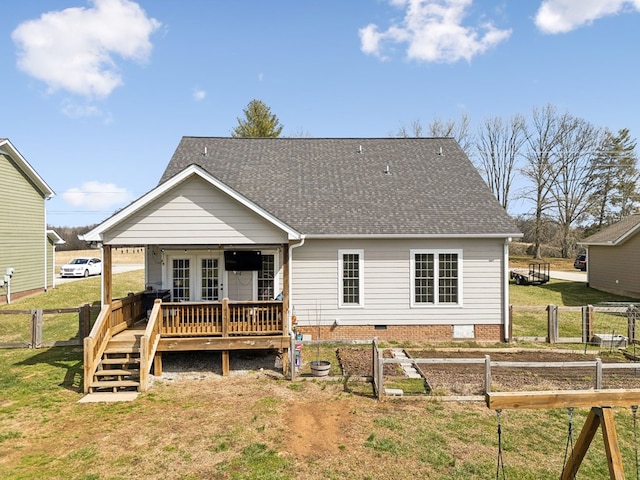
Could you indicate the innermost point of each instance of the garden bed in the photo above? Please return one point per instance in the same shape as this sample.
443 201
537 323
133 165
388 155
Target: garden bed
468 379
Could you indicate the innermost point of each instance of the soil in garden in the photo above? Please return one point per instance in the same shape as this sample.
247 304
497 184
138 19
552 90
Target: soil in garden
468 379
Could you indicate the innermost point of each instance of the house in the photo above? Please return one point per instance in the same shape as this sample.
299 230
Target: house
351 238
27 248
613 258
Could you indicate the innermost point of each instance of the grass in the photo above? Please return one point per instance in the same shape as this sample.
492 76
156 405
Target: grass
561 293
260 427
253 427
63 326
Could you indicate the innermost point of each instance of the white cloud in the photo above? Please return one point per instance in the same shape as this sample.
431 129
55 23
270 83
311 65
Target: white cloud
97 196
75 49
75 110
199 94
433 32
561 16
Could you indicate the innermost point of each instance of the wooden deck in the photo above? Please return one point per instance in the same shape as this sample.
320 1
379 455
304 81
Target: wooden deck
124 344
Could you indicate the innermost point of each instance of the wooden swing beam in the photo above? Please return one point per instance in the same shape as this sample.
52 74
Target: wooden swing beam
600 416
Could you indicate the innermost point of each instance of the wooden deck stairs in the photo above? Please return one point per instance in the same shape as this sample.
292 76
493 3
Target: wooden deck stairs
119 368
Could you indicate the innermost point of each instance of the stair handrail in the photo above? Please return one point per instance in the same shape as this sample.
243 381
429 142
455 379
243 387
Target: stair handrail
149 343
95 344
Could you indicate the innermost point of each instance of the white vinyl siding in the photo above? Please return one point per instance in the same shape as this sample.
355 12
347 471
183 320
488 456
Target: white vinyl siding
386 283
351 280
436 277
195 213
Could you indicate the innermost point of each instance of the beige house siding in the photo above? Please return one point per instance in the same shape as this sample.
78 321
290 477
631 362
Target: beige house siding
22 230
615 269
387 283
194 213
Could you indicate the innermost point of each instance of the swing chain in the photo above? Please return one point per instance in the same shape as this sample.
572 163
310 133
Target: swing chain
634 410
569 441
500 466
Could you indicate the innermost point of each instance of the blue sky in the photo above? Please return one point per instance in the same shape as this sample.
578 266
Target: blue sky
98 93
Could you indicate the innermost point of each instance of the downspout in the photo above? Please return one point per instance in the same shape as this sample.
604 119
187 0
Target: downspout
505 288
290 306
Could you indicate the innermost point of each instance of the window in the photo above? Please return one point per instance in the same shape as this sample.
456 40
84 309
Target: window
266 277
436 277
351 277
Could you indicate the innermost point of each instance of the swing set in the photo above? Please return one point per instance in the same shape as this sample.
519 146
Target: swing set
601 415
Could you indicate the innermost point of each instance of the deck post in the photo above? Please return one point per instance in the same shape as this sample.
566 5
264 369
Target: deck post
225 317
225 363
107 275
157 364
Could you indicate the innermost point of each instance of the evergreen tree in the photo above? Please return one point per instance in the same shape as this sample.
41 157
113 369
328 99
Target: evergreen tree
616 178
258 121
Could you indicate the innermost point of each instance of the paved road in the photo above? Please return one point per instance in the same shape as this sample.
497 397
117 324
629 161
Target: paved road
576 276
117 268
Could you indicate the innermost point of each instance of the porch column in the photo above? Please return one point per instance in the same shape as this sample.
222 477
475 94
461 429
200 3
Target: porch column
107 275
285 286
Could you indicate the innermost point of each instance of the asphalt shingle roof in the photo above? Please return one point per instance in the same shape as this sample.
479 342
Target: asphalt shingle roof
338 186
613 233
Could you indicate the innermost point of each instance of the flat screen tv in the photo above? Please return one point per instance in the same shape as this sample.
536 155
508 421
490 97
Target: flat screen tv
242 260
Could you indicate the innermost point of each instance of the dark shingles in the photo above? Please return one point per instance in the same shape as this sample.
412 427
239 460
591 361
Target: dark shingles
339 186
614 232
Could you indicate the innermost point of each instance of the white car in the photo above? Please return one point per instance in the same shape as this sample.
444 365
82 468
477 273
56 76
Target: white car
82 267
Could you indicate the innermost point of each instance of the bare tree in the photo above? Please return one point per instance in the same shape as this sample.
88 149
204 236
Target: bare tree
577 153
499 145
542 140
459 130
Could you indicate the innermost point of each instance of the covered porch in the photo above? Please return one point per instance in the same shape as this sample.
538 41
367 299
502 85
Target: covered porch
129 335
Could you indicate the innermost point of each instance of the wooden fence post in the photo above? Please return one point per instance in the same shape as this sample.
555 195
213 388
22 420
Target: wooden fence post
84 321
632 314
487 374
587 322
598 374
36 328
552 324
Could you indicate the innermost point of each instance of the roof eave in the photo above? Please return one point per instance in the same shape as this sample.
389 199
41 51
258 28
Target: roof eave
96 235
412 235
7 148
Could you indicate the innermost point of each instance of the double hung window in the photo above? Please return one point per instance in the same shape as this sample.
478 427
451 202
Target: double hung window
436 277
350 268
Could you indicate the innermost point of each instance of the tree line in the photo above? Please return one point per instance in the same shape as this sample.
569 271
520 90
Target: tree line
577 178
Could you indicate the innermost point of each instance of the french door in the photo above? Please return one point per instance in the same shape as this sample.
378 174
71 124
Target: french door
194 278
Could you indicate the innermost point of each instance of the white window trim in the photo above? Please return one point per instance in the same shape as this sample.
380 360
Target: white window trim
436 296
360 253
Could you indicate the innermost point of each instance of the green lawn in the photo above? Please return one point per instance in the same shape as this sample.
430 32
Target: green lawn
63 326
562 294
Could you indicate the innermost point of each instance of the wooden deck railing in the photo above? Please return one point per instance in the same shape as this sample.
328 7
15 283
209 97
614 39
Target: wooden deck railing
183 319
222 319
112 319
149 344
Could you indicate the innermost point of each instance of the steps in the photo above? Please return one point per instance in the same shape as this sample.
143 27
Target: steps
119 369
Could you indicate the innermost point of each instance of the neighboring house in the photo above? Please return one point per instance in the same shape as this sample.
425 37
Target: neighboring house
27 248
613 258
393 238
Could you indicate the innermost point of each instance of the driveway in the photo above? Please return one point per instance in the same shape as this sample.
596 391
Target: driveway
117 268
576 276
